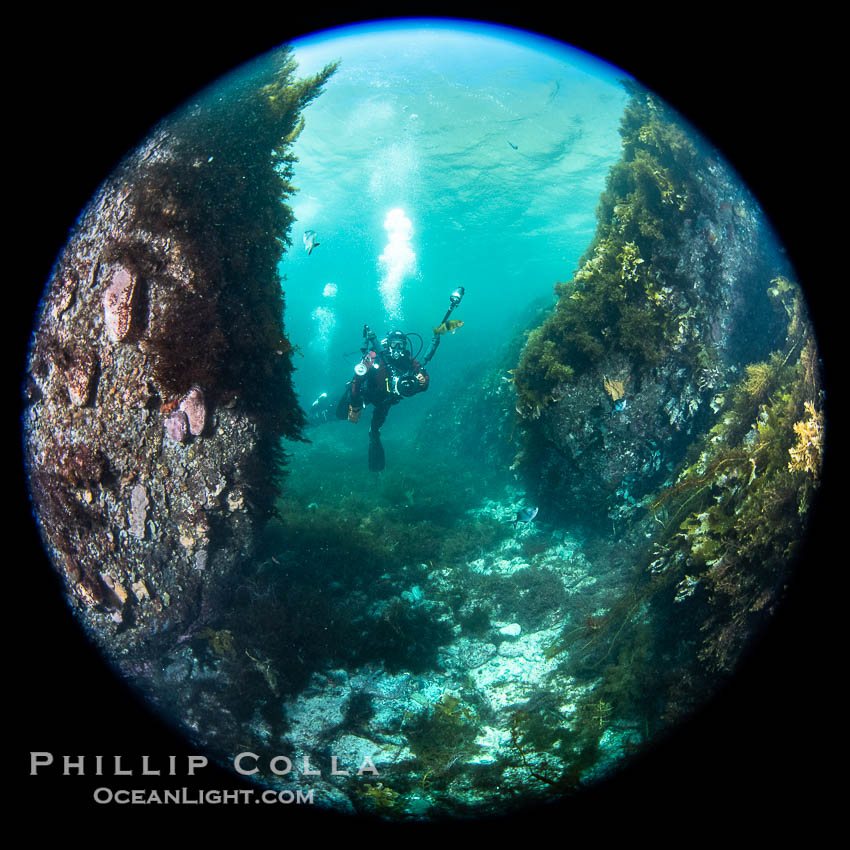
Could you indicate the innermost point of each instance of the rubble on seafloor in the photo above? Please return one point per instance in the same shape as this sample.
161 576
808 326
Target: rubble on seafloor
372 737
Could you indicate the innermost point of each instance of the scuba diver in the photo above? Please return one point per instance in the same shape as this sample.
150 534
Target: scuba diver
387 372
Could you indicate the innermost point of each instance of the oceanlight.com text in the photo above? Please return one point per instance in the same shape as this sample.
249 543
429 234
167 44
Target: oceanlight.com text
201 797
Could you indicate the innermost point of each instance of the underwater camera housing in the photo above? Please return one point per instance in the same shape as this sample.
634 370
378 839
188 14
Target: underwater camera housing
406 385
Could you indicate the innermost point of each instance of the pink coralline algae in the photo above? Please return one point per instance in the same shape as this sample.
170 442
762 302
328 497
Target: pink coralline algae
194 407
177 426
118 304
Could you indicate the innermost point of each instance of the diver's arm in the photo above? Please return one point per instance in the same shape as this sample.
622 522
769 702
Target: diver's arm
355 405
422 376
360 382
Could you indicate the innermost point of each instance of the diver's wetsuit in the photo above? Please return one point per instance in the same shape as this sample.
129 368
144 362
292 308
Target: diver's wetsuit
378 387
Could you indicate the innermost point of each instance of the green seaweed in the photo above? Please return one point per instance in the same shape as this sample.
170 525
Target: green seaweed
443 735
381 798
320 560
614 301
557 754
728 527
736 514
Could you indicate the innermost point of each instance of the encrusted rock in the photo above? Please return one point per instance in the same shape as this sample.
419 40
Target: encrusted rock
72 568
139 283
177 426
118 304
80 378
315 716
118 591
90 590
87 593
66 289
194 406
235 500
473 653
138 511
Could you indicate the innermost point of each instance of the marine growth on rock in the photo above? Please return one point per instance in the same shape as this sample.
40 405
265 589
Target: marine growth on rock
118 304
138 511
177 426
194 407
80 378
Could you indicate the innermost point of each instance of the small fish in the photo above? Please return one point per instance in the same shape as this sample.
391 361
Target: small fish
448 327
525 515
513 146
310 241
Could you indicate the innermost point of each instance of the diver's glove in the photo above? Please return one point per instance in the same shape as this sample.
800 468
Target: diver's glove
354 413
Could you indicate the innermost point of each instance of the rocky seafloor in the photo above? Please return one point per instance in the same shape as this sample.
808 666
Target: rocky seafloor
441 730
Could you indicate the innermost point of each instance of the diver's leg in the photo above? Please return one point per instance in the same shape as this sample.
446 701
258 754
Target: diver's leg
379 416
377 460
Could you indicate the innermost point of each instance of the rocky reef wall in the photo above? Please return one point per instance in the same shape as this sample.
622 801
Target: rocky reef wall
671 404
672 401
159 380
669 302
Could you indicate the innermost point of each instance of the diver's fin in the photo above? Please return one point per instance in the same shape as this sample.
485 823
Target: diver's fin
376 452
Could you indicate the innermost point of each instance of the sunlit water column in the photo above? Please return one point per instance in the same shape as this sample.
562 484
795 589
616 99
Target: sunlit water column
397 262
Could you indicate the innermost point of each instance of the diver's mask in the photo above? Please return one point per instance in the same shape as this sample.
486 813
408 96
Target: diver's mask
396 345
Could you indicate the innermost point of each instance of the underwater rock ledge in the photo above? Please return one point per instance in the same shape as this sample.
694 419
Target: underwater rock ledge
159 379
668 304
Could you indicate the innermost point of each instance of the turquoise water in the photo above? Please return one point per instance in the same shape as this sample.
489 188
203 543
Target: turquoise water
440 156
